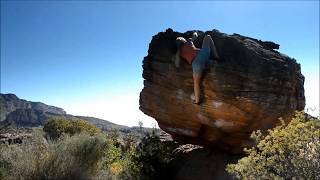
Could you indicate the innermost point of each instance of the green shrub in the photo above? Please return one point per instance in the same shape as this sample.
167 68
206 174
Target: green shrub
85 155
285 152
57 126
77 157
79 126
17 161
120 158
154 157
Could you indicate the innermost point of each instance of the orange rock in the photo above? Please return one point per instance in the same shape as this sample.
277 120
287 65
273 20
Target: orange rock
249 90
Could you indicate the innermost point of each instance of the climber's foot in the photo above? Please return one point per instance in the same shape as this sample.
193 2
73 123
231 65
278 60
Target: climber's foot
194 99
196 102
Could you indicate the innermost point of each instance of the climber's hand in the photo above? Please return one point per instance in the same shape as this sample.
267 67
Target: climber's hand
194 36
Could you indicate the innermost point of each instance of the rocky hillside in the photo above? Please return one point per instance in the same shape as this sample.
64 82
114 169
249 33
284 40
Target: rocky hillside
10 103
250 89
25 113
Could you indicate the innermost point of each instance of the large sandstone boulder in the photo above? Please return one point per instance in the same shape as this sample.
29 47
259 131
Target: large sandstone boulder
250 89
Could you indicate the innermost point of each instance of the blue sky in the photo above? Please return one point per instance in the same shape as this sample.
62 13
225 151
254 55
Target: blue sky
86 56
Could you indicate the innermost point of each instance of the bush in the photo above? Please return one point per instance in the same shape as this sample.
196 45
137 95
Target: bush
285 152
57 126
18 160
76 157
85 155
154 157
121 158
149 160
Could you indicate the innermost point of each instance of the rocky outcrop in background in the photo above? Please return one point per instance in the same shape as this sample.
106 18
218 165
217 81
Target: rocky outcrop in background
26 113
23 113
250 89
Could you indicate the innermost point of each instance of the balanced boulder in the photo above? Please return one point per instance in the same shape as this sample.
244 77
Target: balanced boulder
250 89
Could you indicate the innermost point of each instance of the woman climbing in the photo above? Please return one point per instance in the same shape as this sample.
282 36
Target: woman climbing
196 57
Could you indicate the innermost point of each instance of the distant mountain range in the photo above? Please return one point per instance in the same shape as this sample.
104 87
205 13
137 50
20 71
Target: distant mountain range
23 113
26 113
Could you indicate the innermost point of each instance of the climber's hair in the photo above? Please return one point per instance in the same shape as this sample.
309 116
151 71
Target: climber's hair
180 41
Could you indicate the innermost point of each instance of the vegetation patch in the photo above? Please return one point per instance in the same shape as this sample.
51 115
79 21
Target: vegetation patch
288 151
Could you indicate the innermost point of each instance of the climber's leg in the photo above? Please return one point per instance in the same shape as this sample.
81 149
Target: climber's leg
198 66
208 43
196 87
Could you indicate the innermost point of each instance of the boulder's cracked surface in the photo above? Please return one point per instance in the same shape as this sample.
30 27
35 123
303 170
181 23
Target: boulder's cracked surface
250 89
